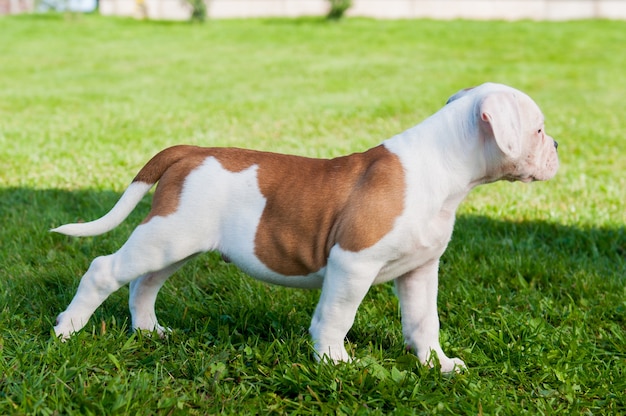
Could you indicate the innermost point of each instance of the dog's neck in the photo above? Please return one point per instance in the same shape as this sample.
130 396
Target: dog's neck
461 164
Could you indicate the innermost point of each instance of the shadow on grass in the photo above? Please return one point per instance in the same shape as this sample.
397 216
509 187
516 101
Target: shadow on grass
40 269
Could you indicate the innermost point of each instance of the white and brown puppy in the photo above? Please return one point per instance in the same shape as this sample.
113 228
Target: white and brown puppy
341 225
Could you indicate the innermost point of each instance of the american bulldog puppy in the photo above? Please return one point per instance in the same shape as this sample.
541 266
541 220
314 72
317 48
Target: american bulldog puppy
340 225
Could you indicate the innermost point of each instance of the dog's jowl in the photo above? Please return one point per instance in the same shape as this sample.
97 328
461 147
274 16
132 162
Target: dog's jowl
340 224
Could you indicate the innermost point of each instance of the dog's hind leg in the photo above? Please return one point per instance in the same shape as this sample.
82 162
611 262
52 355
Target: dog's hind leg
142 296
153 249
95 286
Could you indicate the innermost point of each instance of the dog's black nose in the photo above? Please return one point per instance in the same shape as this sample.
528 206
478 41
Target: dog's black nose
556 144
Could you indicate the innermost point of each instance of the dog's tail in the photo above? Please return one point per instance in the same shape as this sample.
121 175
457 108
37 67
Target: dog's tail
139 187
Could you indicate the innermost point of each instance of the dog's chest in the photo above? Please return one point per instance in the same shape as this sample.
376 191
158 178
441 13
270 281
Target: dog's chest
416 244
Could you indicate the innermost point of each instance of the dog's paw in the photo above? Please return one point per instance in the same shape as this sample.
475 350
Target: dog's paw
61 334
452 365
163 331
158 330
62 330
445 364
333 354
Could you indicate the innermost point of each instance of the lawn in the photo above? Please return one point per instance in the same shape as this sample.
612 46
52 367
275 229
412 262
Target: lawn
532 287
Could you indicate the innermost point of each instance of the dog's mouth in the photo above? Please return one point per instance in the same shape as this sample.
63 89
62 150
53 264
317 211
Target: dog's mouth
525 179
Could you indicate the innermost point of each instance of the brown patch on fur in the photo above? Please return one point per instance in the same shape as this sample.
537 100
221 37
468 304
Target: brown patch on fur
312 204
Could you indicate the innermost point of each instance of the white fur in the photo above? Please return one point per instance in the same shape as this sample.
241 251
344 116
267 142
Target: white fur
443 158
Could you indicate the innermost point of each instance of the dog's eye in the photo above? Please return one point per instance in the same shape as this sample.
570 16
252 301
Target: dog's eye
539 131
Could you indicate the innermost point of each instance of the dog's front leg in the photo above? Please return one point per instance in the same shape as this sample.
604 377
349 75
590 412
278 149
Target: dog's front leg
417 291
346 283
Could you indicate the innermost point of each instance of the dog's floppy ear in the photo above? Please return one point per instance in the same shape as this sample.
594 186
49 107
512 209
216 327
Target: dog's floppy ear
501 112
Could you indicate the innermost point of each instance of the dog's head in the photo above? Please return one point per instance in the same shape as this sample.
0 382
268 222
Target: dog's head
512 127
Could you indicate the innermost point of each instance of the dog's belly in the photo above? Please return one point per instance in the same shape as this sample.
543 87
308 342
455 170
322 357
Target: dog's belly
254 268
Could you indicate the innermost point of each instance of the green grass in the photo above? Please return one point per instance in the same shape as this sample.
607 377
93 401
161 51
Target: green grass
532 288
